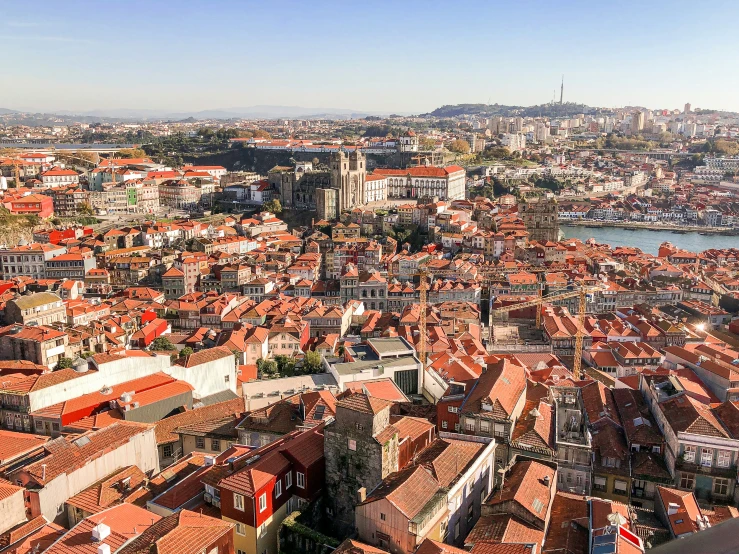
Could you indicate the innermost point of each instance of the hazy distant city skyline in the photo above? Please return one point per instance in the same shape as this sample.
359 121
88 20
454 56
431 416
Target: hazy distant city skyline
408 57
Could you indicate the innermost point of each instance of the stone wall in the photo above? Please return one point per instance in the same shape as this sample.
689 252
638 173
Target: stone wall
300 532
355 460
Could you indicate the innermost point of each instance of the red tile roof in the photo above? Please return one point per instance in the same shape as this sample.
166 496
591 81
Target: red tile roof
125 521
409 490
13 445
185 532
65 456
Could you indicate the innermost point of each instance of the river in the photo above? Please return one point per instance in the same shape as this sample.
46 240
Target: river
649 241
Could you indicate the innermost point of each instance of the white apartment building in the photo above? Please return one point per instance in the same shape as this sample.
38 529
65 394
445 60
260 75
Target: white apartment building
514 142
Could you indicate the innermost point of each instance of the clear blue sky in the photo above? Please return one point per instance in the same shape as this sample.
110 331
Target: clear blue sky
399 55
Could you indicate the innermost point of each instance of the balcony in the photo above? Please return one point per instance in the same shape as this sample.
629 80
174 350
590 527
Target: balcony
714 471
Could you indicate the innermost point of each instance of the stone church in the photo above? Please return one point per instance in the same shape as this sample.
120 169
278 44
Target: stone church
541 216
328 192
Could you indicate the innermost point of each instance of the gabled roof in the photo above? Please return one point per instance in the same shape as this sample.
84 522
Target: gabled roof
164 429
364 404
529 484
184 532
500 387
408 490
65 456
448 459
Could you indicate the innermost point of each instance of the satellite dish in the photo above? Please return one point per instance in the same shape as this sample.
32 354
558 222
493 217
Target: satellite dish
616 519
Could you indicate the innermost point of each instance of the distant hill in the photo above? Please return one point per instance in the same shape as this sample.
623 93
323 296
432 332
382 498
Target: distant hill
567 109
34 118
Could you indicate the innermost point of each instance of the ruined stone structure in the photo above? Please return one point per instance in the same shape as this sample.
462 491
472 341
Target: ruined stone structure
541 216
361 449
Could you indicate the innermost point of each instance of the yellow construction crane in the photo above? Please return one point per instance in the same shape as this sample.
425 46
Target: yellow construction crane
581 292
486 274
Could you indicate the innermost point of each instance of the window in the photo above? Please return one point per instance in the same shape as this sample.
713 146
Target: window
687 481
599 483
619 486
199 442
706 457
444 424
352 444
167 451
656 449
263 502
215 444
456 530
240 529
689 454
278 488
484 426
288 480
721 486
300 479
499 430
470 513
39 425
469 424
724 458
263 530
453 409
382 516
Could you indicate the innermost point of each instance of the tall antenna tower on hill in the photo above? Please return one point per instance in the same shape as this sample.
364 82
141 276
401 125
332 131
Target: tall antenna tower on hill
562 91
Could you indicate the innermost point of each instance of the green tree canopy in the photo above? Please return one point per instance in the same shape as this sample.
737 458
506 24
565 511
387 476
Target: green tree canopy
267 368
285 365
459 146
161 344
273 206
312 363
64 363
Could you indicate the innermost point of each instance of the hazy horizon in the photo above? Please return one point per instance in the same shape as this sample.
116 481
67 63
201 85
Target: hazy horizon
395 57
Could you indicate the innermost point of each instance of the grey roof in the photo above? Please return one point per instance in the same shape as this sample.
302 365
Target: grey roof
217 397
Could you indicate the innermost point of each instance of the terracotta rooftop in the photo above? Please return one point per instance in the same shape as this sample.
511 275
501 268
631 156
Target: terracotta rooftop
64 456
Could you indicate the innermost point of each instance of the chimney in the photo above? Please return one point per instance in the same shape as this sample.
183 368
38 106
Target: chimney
43 472
546 480
362 495
100 532
672 508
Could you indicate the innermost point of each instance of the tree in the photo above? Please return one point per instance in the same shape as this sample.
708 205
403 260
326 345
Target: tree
273 206
312 363
132 153
64 363
496 153
259 133
460 146
161 344
285 365
267 368
85 209
187 351
426 144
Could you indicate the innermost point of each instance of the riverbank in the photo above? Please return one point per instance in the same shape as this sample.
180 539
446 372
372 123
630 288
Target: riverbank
648 240
651 226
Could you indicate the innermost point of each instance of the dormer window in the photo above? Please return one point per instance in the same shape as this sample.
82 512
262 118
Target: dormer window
487 406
